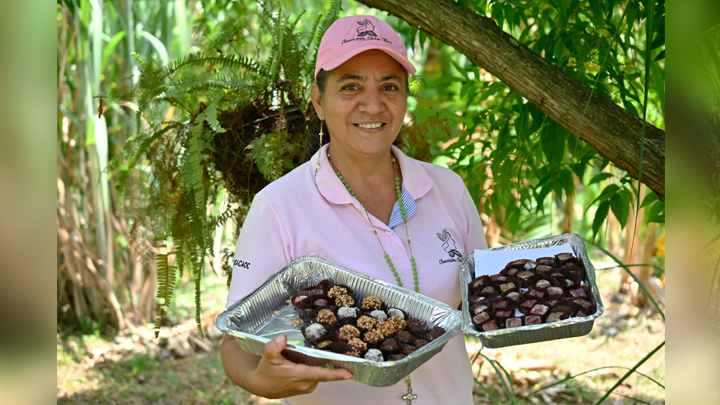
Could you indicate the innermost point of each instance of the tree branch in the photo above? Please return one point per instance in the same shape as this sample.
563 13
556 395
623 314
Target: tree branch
609 129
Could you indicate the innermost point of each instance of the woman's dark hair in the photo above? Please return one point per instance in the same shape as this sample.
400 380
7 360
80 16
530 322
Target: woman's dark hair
311 137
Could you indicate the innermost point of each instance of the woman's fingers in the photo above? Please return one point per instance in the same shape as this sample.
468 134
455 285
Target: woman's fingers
299 372
273 350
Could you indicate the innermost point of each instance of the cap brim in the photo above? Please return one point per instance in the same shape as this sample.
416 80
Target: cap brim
340 59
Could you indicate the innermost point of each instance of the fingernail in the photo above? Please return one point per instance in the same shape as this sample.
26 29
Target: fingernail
278 339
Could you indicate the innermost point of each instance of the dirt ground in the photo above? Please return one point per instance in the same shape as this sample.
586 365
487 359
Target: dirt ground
179 368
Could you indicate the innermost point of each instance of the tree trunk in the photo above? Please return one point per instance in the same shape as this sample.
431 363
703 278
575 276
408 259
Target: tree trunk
609 129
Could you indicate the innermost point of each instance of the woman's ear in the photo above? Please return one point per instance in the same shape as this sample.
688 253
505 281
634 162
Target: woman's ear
316 98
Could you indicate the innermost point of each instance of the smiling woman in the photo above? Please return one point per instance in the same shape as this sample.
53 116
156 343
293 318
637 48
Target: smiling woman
355 202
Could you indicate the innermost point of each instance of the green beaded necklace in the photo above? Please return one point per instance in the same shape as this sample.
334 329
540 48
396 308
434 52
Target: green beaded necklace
404 217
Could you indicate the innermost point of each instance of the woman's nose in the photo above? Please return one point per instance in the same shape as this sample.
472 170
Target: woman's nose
371 101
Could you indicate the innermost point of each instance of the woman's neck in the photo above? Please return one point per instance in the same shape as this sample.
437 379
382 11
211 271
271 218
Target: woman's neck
364 169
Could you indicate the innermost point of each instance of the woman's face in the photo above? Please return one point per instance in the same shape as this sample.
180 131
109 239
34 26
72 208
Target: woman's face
364 104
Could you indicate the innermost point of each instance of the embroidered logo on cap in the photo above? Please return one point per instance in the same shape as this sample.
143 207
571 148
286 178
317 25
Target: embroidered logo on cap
365 32
366 28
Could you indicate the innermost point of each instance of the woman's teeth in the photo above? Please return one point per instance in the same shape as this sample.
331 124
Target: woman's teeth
370 126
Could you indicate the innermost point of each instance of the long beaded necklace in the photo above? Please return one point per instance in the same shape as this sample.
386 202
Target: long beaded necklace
410 396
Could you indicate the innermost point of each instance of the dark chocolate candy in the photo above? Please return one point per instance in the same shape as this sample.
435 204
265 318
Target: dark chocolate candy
481 318
513 323
488 326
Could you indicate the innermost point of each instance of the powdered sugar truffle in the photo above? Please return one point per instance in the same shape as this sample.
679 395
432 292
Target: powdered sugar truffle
346 312
379 315
315 331
396 312
374 355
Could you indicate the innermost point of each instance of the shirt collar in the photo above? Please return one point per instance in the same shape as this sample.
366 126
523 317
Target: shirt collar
415 179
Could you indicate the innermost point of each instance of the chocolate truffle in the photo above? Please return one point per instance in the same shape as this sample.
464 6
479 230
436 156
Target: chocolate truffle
337 291
390 346
404 337
373 337
407 349
420 343
315 331
386 328
504 313
415 326
398 322
344 301
396 312
299 298
326 316
366 322
397 357
347 312
374 355
357 343
542 284
530 265
371 303
379 315
348 332
543 269
435 332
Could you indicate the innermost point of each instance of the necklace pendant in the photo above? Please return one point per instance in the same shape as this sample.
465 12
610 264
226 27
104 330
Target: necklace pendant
409 397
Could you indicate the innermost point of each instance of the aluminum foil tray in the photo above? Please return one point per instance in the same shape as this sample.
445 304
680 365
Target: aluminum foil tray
266 313
567 328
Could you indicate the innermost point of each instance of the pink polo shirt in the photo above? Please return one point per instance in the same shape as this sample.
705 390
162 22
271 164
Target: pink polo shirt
306 214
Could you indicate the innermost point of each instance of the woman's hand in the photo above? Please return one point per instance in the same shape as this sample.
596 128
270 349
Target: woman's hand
272 375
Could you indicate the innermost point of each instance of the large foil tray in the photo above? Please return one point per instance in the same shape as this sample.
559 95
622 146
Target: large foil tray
266 313
567 328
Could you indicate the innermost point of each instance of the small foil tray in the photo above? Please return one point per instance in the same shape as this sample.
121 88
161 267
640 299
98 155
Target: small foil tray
266 313
571 327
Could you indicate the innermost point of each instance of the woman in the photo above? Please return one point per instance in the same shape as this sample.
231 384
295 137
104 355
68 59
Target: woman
361 94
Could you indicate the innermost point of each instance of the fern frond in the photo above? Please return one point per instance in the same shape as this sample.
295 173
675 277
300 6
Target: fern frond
165 288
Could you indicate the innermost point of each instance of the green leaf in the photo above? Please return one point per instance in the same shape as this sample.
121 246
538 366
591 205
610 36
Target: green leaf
649 199
600 177
620 208
110 48
600 216
158 45
657 212
606 194
460 70
567 182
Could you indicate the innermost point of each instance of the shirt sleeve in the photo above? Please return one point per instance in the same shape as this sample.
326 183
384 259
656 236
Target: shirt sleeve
262 250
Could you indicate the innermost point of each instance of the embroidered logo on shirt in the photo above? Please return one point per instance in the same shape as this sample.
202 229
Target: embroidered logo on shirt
450 247
241 263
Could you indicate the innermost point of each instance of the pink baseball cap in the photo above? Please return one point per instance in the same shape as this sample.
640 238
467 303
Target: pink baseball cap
349 36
